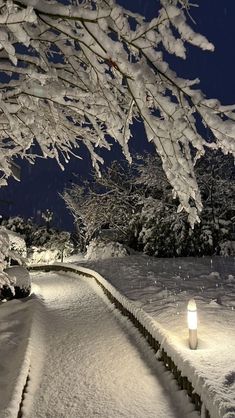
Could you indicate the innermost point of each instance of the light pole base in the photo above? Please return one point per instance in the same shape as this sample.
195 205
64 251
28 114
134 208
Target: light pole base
193 339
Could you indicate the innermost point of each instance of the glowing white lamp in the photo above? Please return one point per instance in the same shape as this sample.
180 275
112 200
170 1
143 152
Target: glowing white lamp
192 324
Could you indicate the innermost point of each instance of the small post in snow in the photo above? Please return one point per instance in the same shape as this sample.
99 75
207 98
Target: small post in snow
192 324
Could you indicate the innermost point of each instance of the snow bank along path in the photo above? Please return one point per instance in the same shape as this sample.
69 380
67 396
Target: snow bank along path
95 362
184 373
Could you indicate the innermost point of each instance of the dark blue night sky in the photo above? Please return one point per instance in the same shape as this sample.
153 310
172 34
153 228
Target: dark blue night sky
41 183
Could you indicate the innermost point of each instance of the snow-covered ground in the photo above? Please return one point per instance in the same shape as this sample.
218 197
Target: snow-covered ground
83 358
36 333
163 287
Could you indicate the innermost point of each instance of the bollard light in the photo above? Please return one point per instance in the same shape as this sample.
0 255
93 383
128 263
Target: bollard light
192 324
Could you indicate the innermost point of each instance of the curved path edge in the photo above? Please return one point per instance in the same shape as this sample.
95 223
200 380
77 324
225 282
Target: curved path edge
185 374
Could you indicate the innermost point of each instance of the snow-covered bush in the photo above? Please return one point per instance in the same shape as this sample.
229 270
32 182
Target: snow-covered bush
15 247
14 281
17 244
40 240
22 282
100 249
160 233
50 246
39 255
4 248
227 248
6 284
25 228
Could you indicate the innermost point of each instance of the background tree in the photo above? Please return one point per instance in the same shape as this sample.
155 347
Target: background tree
108 201
162 228
82 72
142 206
216 179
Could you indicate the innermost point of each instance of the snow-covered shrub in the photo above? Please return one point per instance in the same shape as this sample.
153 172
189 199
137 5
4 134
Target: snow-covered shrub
16 224
14 281
21 279
53 246
25 228
17 244
15 248
43 243
100 249
4 248
39 255
227 248
167 234
6 284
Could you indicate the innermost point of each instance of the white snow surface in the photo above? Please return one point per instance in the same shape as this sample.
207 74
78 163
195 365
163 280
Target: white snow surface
162 288
83 358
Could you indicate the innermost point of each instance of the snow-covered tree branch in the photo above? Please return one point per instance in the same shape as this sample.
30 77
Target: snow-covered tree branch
82 72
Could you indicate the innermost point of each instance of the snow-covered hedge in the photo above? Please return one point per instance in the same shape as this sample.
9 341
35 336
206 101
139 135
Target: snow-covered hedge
99 249
21 281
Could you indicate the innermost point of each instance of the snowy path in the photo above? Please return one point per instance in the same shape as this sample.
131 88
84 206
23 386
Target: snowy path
95 364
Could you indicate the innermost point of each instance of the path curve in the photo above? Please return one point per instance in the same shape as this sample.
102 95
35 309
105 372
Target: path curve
95 364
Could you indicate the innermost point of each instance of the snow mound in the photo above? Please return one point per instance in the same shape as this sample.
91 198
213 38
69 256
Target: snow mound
101 249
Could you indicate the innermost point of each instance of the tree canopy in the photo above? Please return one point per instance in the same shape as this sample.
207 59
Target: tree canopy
83 71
